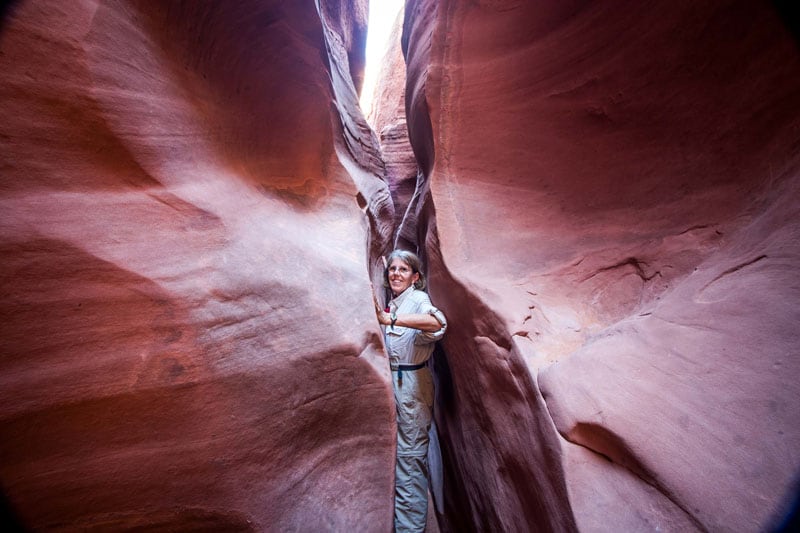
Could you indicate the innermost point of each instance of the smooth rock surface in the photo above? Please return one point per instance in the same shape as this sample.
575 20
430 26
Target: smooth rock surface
188 339
193 206
610 217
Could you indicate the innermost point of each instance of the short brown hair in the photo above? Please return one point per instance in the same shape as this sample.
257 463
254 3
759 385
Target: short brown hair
411 260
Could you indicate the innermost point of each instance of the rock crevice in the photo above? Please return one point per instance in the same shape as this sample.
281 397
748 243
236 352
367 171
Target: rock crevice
605 197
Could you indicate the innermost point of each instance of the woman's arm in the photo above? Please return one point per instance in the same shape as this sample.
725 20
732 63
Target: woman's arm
420 321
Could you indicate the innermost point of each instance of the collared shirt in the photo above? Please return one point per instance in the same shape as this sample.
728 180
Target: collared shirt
409 346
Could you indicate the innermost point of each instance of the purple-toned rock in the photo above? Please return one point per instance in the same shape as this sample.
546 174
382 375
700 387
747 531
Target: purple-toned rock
188 339
612 230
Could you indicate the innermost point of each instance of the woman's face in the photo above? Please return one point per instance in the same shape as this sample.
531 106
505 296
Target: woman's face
400 276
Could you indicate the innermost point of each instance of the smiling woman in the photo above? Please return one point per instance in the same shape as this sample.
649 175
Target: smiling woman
411 327
382 14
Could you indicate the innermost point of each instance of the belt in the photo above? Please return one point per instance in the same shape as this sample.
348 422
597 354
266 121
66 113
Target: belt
408 368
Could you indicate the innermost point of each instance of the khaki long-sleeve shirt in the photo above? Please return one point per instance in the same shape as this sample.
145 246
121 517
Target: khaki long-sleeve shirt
409 346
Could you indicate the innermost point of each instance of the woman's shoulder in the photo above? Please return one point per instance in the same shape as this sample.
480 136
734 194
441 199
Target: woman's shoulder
419 296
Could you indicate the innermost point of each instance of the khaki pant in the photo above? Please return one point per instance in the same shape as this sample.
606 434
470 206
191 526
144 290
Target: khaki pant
413 397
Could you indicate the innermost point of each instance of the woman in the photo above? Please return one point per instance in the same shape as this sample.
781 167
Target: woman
413 325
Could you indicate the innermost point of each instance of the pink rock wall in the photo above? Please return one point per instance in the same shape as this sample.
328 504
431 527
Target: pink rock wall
610 217
388 118
192 208
187 332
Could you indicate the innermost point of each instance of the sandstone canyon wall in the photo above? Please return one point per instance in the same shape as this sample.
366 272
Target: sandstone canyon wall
388 118
606 195
609 210
190 203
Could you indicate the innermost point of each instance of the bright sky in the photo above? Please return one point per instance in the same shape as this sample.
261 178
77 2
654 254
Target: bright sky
381 16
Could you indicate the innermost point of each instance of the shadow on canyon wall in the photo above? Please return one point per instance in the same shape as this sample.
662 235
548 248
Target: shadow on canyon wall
193 207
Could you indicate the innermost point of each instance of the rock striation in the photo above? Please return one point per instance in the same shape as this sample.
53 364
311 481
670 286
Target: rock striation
193 207
191 201
388 119
609 210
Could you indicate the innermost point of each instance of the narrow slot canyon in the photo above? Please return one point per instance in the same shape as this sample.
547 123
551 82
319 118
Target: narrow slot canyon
604 196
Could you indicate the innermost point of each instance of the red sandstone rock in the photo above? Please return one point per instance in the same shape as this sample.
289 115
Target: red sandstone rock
188 339
388 118
612 230
608 207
